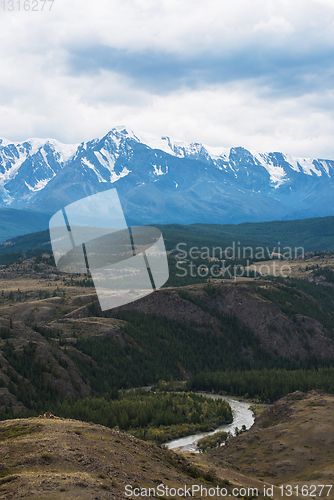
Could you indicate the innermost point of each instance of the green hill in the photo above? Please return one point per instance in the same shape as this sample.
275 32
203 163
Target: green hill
312 234
315 234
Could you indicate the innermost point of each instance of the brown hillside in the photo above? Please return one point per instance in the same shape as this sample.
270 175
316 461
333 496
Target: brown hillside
291 442
275 331
54 459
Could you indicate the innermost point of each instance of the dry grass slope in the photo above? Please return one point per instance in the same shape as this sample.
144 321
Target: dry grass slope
68 459
291 442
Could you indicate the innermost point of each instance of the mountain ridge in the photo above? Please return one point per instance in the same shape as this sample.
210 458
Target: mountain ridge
163 180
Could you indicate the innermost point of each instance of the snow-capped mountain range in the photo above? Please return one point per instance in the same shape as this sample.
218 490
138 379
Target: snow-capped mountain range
162 180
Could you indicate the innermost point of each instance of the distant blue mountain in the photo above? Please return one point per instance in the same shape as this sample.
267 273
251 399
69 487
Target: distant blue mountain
162 180
18 222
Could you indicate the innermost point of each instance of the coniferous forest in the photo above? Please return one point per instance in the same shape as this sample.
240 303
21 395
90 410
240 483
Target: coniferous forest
158 417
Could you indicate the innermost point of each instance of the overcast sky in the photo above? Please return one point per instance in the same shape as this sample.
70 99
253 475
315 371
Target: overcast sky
251 73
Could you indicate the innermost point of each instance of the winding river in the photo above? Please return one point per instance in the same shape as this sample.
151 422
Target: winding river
242 415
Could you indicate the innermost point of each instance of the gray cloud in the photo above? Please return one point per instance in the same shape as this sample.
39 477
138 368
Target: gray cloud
291 71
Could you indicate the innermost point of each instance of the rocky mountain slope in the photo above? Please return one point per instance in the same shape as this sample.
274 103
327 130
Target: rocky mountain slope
274 330
162 180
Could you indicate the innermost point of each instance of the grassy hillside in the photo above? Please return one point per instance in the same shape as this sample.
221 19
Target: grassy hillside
55 459
293 443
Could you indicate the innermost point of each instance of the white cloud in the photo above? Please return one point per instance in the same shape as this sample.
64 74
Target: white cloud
275 24
275 91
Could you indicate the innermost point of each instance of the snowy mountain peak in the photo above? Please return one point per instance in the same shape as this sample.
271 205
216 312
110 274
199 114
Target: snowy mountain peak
28 166
166 177
4 142
33 145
